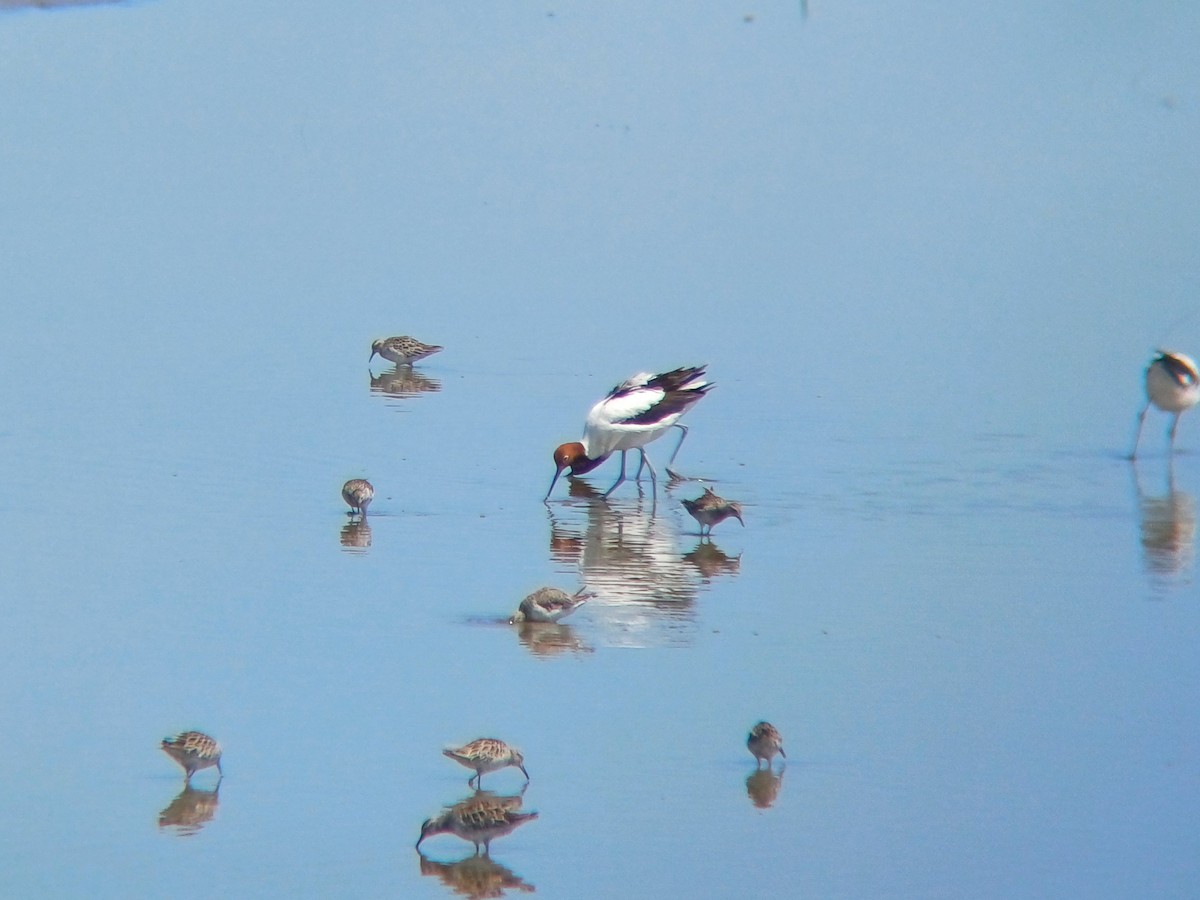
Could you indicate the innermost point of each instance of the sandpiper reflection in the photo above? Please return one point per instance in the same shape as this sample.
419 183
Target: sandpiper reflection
356 536
711 561
189 812
1168 522
476 877
546 639
629 558
404 382
762 787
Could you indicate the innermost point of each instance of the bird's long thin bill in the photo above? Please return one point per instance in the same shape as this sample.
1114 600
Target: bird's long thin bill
553 482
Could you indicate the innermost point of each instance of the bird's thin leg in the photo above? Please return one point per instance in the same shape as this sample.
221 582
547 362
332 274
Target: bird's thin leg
650 466
621 477
1138 437
1174 425
641 463
675 452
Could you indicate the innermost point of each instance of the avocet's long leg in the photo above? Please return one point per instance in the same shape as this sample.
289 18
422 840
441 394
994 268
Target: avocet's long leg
621 477
641 463
674 453
650 466
1138 437
1174 425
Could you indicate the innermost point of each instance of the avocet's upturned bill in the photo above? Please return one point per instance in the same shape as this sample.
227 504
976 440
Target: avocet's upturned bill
634 413
1173 385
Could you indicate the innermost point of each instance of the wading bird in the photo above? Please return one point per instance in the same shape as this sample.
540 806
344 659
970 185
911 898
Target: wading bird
636 412
1173 385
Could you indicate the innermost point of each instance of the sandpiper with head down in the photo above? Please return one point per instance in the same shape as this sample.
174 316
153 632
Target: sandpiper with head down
1173 385
549 604
358 494
764 742
402 350
486 755
193 750
479 819
635 412
708 509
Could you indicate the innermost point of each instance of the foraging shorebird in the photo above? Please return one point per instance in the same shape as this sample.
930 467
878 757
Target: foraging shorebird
1173 385
479 819
402 350
549 604
708 509
764 742
637 411
486 755
193 750
358 494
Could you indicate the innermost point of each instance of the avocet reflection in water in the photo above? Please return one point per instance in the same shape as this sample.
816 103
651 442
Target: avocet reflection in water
1168 526
627 553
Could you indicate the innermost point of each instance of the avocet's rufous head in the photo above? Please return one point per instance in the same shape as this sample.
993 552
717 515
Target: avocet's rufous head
571 456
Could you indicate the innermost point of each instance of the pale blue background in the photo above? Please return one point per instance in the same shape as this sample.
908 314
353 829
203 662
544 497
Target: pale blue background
926 249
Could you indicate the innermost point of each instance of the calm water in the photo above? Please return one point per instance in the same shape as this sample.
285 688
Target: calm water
926 254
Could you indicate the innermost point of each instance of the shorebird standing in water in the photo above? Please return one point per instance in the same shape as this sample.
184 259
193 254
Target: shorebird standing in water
402 350
193 750
479 819
1173 385
486 755
358 494
635 412
708 509
549 605
764 742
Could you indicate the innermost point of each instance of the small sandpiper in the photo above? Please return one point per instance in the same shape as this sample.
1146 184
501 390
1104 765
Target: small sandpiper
358 494
486 755
708 509
1173 385
764 742
402 350
479 819
193 750
549 604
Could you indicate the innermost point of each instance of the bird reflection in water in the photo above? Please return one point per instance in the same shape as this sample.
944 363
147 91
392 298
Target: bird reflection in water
1168 523
404 382
476 877
645 590
546 639
711 561
189 812
762 787
356 536
479 819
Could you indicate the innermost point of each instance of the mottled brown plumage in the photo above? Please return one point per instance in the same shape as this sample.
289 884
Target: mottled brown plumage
402 350
708 509
193 750
549 604
764 742
358 494
486 755
480 820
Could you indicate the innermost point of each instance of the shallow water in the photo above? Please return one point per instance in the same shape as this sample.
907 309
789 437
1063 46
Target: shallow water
926 256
